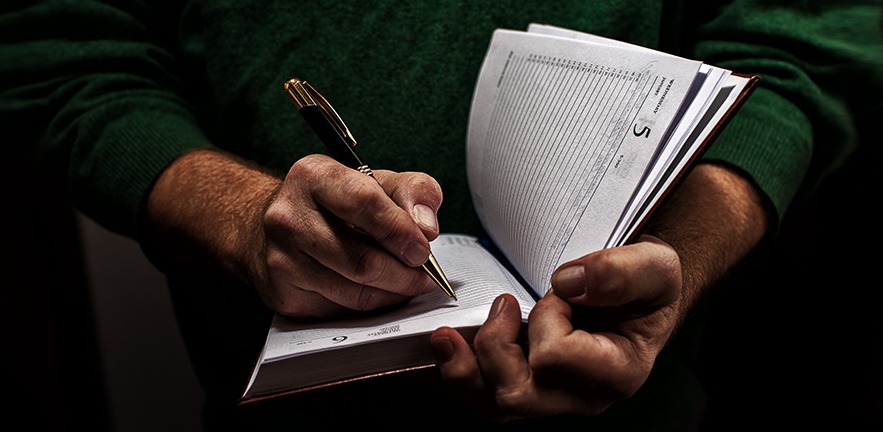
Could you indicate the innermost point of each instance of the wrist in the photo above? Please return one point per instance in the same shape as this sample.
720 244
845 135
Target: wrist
205 212
714 220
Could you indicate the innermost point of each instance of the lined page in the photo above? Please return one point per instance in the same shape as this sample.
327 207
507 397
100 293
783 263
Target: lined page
477 278
560 134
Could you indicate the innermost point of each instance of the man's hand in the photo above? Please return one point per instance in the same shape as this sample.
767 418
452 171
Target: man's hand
593 339
324 241
336 241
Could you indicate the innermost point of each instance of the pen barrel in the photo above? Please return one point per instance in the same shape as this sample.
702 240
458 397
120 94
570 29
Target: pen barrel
340 147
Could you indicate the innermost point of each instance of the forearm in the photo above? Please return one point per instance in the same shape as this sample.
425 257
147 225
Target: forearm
205 211
714 220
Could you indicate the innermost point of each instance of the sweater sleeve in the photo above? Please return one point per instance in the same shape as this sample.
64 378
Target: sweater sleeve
820 68
96 89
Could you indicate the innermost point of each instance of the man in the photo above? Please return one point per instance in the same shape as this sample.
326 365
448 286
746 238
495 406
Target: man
171 120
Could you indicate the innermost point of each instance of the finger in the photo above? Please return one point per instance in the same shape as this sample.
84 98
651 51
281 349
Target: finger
550 319
563 357
503 362
418 193
336 261
360 201
456 362
553 341
640 272
299 284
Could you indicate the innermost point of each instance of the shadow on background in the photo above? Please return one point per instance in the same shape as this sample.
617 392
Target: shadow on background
50 349
802 345
90 340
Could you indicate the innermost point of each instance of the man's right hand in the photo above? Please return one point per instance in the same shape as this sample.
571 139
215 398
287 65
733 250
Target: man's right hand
336 241
324 241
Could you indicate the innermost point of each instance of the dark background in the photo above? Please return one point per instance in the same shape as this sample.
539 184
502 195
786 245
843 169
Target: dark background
800 343
89 337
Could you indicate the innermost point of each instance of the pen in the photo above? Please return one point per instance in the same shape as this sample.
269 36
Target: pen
330 128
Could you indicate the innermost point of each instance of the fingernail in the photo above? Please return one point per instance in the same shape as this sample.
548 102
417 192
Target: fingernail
444 349
415 254
569 281
425 216
497 307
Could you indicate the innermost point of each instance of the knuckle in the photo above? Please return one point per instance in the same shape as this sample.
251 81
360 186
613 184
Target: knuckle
367 264
303 168
545 356
609 275
276 261
486 342
284 215
428 187
275 216
395 230
362 191
307 165
423 181
364 198
607 267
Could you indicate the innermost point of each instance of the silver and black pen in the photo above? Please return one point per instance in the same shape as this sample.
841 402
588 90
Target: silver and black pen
331 129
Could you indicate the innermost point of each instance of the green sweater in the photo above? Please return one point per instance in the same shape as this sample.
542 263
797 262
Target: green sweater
115 91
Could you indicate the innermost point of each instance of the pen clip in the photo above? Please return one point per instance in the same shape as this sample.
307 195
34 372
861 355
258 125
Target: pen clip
303 94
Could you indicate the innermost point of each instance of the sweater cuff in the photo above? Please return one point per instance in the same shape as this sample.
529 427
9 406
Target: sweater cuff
780 149
113 173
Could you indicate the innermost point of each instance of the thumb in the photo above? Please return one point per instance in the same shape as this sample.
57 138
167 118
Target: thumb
619 275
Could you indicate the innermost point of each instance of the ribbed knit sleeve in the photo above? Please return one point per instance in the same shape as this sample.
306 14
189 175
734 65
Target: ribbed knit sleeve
96 88
106 89
820 64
